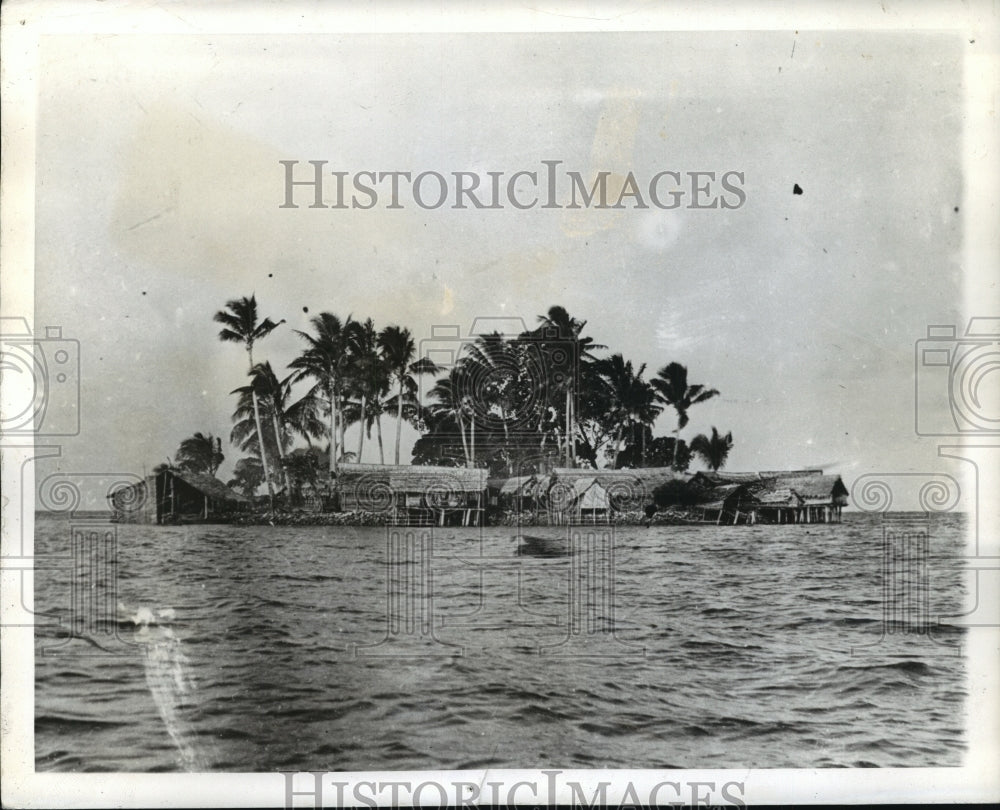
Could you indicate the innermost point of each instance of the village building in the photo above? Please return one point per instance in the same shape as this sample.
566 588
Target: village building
519 493
572 495
810 497
176 496
414 495
772 496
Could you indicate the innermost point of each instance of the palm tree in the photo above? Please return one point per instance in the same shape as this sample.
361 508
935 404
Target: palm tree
632 398
562 328
200 454
240 325
673 390
368 375
502 391
248 474
164 466
398 353
273 396
713 450
325 360
449 391
645 410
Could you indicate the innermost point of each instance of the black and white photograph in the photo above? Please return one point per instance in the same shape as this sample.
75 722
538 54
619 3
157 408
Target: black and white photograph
589 404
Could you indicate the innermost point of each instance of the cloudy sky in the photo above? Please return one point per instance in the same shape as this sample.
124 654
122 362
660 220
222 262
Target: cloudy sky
159 186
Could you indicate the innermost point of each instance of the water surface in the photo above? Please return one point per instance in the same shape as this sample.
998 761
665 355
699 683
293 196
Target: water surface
332 648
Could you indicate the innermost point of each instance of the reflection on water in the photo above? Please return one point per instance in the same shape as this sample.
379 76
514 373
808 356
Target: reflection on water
340 648
169 679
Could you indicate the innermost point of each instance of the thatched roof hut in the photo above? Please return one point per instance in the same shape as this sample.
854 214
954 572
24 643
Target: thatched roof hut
772 496
628 489
792 489
519 492
414 494
172 496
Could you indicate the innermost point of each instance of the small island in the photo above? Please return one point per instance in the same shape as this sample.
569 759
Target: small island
518 426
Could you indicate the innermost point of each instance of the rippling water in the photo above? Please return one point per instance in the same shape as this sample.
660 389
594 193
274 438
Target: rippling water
322 648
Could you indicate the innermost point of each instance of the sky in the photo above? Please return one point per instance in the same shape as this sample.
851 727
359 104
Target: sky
158 194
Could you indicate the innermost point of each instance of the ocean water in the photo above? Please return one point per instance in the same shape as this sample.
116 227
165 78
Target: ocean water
331 648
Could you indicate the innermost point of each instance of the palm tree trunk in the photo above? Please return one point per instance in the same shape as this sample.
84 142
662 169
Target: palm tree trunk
472 441
461 432
361 423
343 425
618 445
260 436
569 461
333 434
378 431
399 417
278 437
573 426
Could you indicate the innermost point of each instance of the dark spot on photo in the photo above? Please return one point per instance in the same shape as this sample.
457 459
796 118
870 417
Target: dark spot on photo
796 189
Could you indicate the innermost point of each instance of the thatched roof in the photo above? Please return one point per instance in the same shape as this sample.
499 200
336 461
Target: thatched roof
639 482
415 478
716 497
791 489
773 493
582 484
512 486
714 478
207 485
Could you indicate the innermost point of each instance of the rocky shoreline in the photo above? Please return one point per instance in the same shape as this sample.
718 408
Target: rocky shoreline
666 517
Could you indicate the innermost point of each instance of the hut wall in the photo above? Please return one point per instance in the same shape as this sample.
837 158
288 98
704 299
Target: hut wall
137 503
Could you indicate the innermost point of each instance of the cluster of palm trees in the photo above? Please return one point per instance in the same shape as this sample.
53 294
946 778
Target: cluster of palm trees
355 374
540 398
543 397
200 453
